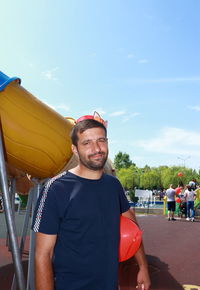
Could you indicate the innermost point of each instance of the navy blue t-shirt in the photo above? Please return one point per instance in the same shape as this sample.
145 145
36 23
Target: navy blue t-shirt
84 214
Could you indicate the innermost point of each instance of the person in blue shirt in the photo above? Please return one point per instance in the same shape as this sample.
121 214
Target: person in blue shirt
77 221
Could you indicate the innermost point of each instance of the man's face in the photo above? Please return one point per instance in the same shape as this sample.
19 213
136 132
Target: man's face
92 148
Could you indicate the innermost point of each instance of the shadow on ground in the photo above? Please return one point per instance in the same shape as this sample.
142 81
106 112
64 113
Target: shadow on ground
161 279
6 275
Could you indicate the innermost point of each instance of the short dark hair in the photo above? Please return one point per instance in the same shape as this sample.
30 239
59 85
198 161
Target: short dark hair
189 187
82 126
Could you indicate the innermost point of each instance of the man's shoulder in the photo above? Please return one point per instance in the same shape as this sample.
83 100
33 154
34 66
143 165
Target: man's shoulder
110 178
55 182
56 178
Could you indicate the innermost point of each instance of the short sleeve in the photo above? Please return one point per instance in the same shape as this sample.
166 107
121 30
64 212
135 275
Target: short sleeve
124 204
47 212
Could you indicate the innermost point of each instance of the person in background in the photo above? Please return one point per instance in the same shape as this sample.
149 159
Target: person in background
161 194
77 221
189 197
193 184
171 204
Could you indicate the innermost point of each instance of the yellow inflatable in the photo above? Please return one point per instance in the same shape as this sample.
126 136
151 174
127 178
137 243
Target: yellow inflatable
36 138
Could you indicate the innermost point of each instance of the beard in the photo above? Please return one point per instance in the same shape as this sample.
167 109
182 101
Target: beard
95 165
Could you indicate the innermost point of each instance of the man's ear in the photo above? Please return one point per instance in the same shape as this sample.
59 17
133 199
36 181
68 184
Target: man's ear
74 150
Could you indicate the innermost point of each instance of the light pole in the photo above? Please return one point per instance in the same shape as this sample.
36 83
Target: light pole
184 159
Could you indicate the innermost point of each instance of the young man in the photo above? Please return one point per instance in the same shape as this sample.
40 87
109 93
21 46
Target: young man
77 221
171 203
189 195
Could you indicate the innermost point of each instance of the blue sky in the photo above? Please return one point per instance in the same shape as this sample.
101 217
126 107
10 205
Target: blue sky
136 62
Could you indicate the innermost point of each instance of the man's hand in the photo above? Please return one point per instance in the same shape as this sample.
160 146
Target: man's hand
143 280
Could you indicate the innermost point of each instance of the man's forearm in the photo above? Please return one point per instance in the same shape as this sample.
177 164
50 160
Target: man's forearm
141 257
143 278
130 214
140 254
44 279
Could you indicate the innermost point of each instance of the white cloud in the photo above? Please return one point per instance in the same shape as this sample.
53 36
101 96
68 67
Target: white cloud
143 60
58 106
130 55
117 113
130 116
50 74
195 108
62 107
93 55
174 141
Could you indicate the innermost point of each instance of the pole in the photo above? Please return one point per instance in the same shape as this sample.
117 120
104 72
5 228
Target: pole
12 200
10 221
31 277
24 229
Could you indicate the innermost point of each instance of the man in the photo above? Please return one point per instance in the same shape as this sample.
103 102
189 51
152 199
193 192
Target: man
193 184
171 204
189 195
77 221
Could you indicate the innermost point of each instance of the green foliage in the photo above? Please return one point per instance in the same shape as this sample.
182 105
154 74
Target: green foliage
170 176
125 176
24 199
151 177
122 160
132 196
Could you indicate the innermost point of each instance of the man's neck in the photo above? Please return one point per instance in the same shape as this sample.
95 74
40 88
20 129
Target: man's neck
86 172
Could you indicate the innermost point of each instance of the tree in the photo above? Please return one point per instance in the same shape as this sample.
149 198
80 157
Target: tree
125 176
150 179
122 160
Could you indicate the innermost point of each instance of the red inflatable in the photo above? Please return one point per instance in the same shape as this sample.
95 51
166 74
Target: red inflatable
180 174
178 190
130 239
178 200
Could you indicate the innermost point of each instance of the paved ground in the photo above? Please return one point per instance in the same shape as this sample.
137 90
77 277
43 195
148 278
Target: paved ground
172 250
6 267
173 253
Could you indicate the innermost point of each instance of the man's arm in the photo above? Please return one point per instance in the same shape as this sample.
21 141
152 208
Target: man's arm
43 261
143 278
130 214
